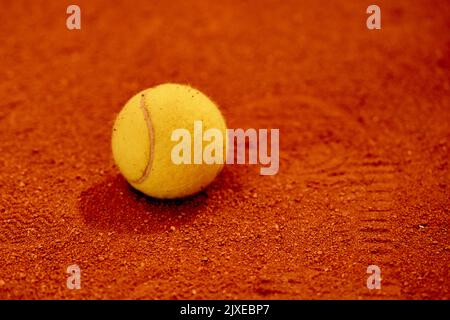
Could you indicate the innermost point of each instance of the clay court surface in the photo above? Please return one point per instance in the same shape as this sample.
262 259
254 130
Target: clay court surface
364 125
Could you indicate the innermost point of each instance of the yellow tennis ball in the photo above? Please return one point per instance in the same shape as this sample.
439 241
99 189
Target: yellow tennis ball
144 143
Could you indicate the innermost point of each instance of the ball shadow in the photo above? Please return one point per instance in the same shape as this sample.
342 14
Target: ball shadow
113 205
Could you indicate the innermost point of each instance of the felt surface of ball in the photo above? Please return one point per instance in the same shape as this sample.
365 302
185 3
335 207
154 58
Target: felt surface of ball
142 145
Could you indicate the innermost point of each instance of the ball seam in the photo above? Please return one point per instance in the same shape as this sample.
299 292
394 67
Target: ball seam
151 136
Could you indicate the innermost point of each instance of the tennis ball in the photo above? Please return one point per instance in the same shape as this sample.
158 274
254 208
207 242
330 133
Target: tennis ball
142 141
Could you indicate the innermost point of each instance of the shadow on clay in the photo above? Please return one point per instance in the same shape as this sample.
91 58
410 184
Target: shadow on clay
113 205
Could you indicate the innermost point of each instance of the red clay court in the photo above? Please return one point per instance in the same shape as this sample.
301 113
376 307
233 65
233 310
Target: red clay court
364 119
